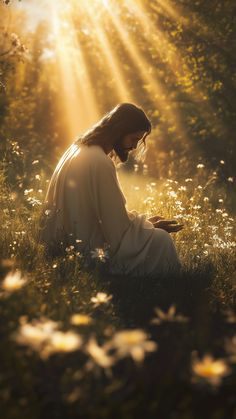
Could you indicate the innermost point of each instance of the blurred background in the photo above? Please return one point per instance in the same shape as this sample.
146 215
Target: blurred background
64 64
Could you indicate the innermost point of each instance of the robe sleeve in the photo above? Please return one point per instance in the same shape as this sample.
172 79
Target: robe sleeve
126 232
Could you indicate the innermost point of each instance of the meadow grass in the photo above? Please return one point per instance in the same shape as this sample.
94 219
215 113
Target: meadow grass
179 365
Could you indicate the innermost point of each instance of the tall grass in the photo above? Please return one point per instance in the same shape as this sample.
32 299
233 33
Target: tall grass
42 378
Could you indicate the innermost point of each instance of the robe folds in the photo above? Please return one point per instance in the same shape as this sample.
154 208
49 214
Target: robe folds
85 207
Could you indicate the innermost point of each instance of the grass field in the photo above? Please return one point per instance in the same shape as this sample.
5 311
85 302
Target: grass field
79 343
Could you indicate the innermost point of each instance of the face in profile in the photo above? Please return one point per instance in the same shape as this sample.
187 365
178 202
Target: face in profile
128 143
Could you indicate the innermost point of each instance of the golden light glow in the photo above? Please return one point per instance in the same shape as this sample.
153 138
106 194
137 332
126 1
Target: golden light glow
77 93
180 70
13 281
210 369
101 23
155 90
112 65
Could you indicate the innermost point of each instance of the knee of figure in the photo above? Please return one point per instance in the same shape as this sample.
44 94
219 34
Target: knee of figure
166 242
164 236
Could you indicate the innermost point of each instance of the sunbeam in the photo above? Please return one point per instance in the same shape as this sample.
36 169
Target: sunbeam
111 64
126 61
180 69
77 95
155 90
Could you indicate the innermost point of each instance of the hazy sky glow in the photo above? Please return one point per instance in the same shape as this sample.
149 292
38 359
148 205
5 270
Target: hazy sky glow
38 11
110 27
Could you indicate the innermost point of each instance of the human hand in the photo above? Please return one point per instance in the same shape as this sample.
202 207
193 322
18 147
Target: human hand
171 226
155 219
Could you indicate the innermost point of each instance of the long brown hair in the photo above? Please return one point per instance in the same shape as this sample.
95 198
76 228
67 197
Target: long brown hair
123 119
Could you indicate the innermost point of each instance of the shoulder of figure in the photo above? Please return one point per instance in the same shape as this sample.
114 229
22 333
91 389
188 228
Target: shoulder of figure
97 155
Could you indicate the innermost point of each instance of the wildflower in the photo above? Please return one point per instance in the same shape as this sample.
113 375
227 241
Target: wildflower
206 199
37 177
169 316
221 200
64 342
188 180
173 194
136 167
13 281
80 319
35 334
222 162
69 249
180 207
149 200
99 354
33 201
132 343
230 179
27 191
145 169
35 162
99 254
13 196
101 298
210 369
200 166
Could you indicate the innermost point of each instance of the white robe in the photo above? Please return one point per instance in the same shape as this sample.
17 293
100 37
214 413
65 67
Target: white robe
85 202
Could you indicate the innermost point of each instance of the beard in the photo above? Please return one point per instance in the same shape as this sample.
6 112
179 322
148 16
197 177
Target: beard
121 152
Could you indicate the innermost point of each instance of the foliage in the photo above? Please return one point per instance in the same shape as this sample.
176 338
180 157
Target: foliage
67 329
189 55
79 343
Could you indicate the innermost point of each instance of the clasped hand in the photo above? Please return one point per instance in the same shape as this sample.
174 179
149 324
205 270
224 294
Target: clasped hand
171 226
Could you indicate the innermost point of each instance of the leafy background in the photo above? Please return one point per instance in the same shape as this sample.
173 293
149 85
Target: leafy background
176 60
